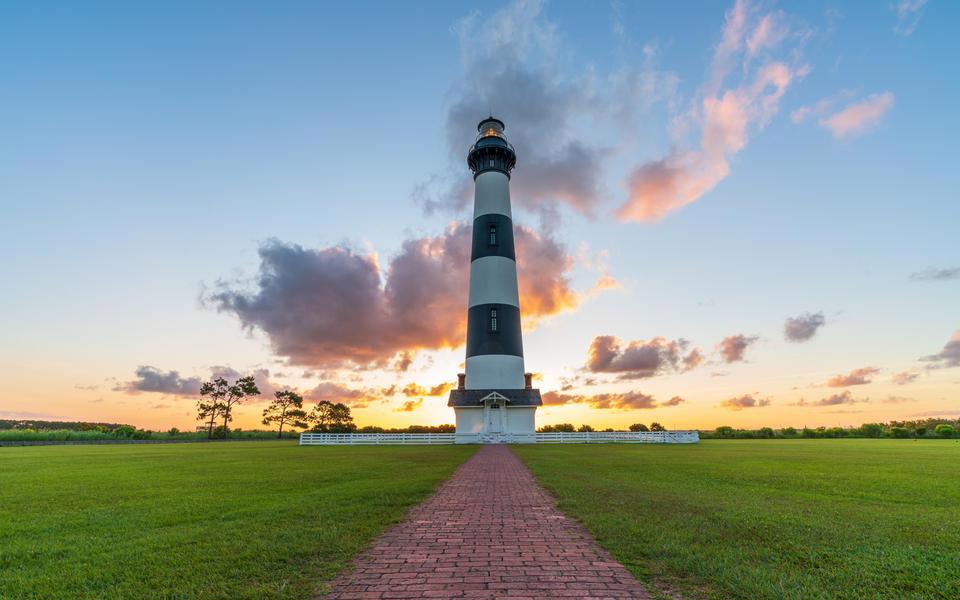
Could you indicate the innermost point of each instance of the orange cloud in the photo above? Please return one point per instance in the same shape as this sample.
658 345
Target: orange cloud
854 377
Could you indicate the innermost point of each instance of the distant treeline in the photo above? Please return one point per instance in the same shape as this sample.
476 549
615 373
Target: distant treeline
926 428
64 425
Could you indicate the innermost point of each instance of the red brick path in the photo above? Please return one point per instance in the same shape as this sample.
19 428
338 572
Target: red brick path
489 532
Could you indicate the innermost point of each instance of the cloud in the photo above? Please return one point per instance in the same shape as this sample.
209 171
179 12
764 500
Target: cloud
329 308
742 402
855 377
897 400
858 117
836 399
724 116
151 379
640 359
337 393
410 405
675 401
905 377
948 274
833 400
803 327
403 362
733 347
620 401
948 357
412 389
909 13
261 377
510 70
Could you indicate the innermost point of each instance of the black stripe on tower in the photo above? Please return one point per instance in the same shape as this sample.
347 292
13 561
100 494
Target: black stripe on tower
493 236
493 329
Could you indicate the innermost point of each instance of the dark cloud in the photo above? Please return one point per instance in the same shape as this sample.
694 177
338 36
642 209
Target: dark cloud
948 357
640 359
336 393
328 307
803 327
509 71
936 274
151 379
733 347
855 377
742 402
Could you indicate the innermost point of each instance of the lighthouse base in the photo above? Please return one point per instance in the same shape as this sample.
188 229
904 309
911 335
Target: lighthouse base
495 416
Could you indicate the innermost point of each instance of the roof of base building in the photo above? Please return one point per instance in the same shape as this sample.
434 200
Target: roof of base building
523 397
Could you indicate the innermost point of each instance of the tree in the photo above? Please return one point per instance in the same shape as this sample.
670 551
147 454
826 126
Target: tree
639 427
212 394
944 430
871 430
286 409
331 418
657 427
585 428
789 431
765 432
241 389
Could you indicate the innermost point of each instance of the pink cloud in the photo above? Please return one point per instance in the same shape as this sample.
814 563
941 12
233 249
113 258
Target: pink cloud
724 116
858 117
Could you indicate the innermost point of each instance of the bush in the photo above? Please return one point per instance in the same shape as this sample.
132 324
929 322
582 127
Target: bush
871 430
173 432
920 431
944 430
899 432
788 432
808 433
765 432
724 431
124 432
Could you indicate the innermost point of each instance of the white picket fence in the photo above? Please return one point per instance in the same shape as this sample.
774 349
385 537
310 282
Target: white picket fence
553 437
628 437
368 439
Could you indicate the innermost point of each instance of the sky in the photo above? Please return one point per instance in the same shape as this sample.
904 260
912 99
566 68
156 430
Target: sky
728 213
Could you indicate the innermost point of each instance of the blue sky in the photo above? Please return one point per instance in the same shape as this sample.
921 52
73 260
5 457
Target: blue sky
149 151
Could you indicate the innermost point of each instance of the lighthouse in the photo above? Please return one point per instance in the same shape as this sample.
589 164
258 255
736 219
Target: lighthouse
494 401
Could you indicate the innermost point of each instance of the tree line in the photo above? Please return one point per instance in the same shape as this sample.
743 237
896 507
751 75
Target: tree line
926 428
569 428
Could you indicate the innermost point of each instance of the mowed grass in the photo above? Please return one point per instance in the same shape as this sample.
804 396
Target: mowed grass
190 521
770 518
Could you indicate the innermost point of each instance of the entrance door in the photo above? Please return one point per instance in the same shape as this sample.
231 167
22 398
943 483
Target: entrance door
493 418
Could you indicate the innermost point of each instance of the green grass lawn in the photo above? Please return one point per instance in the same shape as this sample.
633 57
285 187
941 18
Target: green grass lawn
770 519
184 521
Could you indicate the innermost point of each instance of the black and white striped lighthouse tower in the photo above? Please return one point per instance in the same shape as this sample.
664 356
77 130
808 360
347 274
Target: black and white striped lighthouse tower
494 401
